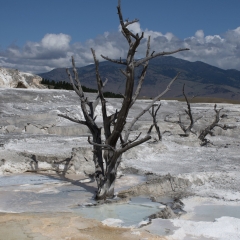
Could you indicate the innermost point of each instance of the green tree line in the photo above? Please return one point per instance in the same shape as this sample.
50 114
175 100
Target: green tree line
68 86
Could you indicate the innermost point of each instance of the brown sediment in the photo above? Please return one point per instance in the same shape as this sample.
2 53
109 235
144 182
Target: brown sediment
67 226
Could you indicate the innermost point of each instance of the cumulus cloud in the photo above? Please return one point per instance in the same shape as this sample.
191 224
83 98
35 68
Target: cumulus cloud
199 34
55 50
45 55
56 41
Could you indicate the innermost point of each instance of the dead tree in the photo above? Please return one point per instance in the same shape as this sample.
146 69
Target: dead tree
204 132
107 153
209 129
153 113
186 130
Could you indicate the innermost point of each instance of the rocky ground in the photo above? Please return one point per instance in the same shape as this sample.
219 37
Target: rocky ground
34 139
45 226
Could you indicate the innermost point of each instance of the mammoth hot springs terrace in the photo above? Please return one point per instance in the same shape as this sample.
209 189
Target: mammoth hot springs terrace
177 188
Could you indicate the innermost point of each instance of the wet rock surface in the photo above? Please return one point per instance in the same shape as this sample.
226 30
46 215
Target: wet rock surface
166 213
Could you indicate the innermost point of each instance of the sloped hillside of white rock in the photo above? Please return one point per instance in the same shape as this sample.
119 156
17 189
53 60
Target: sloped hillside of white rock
13 78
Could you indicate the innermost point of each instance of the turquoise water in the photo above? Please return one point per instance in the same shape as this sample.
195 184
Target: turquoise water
132 213
40 193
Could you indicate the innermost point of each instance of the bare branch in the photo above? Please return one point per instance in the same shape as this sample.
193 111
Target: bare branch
113 117
131 22
141 61
159 105
147 108
79 93
124 73
125 31
150 129
72 119
95 103
154 116
103 101
135 36
143 74
181 124
197 119
225 127
128 39
187 130
114 61
131 141
134 144
166 119
121 139
189 112
104 146
77 78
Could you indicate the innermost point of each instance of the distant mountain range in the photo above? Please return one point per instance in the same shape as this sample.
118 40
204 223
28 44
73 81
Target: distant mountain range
201 79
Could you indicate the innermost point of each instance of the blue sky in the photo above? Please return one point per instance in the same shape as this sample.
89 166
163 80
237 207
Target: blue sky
37 36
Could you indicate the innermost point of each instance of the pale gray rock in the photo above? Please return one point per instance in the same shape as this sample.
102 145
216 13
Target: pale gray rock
68 130
81 160
13 78
166 213
37 129
10 128
165 185
14 162
33 129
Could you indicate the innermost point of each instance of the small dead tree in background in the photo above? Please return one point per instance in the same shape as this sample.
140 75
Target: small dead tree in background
209 129
203 133
153 113
107 153
186 130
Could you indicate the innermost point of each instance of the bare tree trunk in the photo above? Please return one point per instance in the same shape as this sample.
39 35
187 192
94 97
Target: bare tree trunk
106 188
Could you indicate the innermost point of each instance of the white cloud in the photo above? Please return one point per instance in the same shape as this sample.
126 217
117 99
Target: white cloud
55 50
199 34
56 41
135 28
